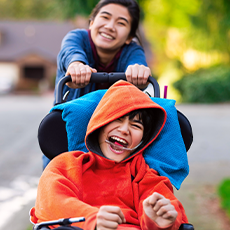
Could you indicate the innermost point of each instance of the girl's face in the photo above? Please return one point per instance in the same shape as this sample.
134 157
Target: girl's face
110 28
124 132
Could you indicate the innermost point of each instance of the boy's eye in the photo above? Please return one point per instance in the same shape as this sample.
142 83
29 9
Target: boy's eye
137 125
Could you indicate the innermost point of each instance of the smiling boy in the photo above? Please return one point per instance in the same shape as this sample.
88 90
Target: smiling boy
111 185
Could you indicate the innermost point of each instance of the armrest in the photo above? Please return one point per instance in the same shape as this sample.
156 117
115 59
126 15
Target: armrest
186 227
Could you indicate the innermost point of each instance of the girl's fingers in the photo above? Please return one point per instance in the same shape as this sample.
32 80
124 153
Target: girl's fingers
134 77
147 73
137 74
128 74
80 74
132 73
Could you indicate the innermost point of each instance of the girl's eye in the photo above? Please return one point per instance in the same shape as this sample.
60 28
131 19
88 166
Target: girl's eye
105 17
121 23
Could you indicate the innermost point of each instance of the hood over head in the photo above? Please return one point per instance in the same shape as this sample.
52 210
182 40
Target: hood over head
121 99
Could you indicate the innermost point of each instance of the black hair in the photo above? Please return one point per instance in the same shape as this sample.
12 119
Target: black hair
147 116
152 119
132 7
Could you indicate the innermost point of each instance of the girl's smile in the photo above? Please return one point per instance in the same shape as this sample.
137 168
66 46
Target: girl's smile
110 29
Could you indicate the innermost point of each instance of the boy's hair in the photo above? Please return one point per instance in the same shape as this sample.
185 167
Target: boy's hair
147 118
132 7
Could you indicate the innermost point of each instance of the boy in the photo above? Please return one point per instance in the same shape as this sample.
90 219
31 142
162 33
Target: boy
111 185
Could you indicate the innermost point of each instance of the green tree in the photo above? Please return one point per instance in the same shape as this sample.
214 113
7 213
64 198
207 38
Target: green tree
43 9
203 25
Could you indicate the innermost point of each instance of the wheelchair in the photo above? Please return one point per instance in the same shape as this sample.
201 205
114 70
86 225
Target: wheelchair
52 137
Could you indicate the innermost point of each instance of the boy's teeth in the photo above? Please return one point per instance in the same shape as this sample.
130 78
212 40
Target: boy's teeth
106 36
119 140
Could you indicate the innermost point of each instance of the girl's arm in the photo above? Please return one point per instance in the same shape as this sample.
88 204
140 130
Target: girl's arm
80 74
133 62
75 48
138 75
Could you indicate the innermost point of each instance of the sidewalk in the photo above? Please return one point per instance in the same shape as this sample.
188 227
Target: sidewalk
209 161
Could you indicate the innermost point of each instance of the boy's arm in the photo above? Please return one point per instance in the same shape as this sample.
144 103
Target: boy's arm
58 197
161 185
160 210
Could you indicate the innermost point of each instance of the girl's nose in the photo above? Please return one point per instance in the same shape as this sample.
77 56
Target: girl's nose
110 25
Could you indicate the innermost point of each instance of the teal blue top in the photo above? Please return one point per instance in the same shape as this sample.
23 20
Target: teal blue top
76 47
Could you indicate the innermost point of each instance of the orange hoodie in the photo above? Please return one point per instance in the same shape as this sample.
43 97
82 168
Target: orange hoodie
77 184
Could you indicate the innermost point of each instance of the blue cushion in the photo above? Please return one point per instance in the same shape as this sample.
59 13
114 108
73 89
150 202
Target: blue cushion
167 154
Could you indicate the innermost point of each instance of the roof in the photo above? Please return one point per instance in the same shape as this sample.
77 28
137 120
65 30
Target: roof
21 38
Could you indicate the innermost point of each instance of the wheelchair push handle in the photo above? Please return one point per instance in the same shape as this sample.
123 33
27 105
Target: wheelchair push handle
103 78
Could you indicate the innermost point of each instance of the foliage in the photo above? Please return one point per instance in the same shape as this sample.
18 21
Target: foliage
43 9
175 27
205 85
205 23
30 227
224 193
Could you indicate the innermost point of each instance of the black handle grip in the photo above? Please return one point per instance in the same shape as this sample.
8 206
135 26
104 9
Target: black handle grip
102 78
62 222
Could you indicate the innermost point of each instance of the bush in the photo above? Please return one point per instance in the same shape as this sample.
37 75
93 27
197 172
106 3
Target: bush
224 193
205 85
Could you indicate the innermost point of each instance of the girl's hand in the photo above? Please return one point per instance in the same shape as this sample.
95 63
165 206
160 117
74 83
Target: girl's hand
80 74
109 217
160 210
138 75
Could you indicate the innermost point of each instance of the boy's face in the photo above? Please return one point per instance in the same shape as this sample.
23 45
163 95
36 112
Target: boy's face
124 132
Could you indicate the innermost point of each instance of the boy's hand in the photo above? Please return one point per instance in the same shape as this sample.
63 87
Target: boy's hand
80 74
138 75
160 210
109 217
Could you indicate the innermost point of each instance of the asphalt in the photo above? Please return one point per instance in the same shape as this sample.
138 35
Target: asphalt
20 160
209 161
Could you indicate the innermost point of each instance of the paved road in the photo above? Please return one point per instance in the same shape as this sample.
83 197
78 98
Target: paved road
209 160
209 156
20 156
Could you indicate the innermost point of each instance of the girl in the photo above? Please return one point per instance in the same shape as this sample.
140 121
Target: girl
107 46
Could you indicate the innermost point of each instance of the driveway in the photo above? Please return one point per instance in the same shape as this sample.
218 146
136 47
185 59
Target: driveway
21 166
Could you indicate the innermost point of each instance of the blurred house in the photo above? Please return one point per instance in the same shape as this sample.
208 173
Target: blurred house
29 49
28 52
